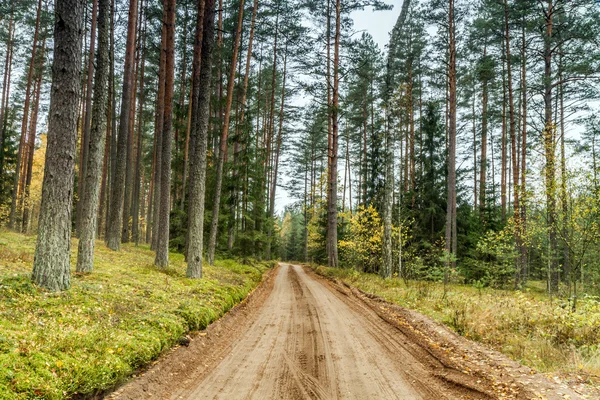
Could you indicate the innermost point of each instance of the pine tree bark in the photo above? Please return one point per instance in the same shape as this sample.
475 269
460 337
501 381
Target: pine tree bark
513 140
214 224
273 190
503 152
52 254
484 140
85 136
26 204
201 87
17 186
451 207
6 87
113 238
97 144
523 254
113 122
549 150
158 124
137 185
162 244
244 96
129 166
332 250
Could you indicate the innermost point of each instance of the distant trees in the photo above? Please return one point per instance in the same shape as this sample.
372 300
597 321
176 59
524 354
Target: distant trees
464 132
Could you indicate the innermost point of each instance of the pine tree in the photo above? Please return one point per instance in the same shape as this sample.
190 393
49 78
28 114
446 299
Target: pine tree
51 268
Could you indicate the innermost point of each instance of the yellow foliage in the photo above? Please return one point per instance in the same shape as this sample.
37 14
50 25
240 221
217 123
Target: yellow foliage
361 246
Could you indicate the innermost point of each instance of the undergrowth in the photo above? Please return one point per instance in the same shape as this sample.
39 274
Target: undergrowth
109 324
524 325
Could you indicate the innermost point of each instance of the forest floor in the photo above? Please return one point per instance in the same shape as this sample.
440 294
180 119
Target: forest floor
301 336
110 324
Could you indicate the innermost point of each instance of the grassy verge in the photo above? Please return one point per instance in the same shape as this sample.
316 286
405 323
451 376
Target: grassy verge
109 324
521 324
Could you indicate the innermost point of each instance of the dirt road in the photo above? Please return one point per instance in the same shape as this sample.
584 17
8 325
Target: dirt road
303 339
307 343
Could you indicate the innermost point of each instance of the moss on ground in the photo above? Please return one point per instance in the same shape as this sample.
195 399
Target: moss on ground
524 325
109 324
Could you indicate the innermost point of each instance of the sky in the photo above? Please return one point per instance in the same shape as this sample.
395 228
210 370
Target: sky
377 23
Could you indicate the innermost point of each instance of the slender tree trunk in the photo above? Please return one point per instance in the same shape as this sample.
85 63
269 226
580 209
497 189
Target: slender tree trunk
549 150
113 120
513 140
332 251
129 166
85 136
212 240
6 87
523 254
276 161
563 180
26 201
17 187
201 87
474 121
97 141
503 164
117 212
162 244
158 124
137 185
451 209
106 168
484 140
246 78
51 268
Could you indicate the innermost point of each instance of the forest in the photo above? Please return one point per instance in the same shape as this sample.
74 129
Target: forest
462 153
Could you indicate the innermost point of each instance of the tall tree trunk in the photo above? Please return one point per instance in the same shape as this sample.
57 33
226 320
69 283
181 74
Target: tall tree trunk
244 97
129 165
563 179
17 187
97 143
6 87
107 168
549 150
26 201
162 244
474 121
51 268
523 253
158 124
113 239
212 240
137 185
332 249
387 267
484 140
113 120
451 209
201 88
503 164
85 136
513 141
271 211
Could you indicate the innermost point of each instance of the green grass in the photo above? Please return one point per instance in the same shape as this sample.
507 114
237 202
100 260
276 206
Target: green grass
524 325
109 324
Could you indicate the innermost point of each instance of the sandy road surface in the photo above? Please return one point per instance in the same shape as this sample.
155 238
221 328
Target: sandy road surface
299 336
307 343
